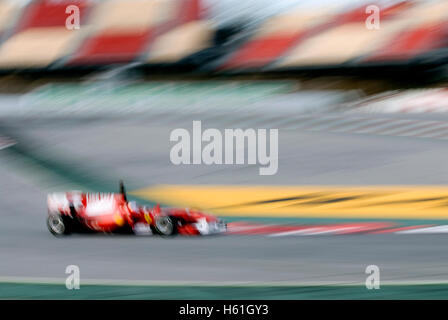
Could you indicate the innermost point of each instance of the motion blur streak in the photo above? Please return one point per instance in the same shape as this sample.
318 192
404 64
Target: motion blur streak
362 130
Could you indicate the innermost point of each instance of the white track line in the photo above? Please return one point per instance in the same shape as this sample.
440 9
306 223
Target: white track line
6 142
293 232
428 230
119 282
6 146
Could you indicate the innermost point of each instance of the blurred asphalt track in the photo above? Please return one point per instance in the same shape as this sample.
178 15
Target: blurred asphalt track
94 153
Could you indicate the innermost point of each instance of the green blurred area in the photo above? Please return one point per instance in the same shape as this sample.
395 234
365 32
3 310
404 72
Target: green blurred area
179 292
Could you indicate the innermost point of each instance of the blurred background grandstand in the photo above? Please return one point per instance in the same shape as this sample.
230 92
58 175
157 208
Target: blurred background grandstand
221 37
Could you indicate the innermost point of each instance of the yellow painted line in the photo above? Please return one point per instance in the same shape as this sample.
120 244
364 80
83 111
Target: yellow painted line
400 202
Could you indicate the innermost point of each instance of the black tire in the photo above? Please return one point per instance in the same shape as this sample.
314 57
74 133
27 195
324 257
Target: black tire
59 225
165 226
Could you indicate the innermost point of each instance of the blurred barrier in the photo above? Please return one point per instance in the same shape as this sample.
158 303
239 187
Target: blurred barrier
286 101
407 101
176 32
189 99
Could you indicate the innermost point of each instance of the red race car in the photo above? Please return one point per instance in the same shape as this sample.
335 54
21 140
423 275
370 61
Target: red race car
75 211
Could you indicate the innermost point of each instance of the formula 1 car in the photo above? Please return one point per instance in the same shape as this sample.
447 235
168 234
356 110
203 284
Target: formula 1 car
76 211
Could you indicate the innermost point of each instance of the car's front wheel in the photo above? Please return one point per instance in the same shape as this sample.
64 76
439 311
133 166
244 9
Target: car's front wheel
58 225
164 225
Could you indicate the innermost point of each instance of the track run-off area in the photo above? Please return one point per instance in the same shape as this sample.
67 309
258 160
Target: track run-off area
339 202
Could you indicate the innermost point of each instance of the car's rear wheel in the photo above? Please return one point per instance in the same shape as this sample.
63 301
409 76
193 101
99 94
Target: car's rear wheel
164 225
58 225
